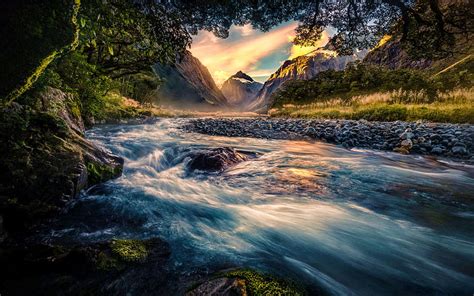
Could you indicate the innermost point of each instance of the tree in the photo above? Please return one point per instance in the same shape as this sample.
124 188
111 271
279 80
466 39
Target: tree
428 27
125 38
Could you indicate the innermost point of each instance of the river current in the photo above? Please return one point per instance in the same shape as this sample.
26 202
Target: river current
353 222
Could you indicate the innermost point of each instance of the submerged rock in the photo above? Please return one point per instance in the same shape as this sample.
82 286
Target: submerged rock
215 160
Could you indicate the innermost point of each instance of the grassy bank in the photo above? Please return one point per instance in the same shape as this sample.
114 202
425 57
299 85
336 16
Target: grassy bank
456 106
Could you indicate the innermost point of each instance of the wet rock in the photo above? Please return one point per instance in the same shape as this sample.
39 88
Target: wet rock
215 160
220 287
97 268
459 150
407 144
425 138
246 282
407 134
437 150
47 161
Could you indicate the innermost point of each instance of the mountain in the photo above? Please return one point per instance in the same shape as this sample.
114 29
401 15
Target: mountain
187 84
302 67
240 89
393 56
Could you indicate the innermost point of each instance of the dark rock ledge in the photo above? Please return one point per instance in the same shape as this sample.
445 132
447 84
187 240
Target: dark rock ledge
46 161
454 141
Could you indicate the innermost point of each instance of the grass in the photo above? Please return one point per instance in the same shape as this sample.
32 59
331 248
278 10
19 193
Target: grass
455 106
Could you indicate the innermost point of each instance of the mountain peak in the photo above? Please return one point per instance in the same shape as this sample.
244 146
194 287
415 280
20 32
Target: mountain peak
242 75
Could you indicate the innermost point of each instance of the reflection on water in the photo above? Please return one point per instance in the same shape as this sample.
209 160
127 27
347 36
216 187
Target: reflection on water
352 222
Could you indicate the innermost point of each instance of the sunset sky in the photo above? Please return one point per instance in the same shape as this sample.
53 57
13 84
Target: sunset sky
254 52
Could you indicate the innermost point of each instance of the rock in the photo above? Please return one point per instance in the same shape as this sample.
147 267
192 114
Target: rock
220 287
246 282
407 134
102 266
437 150
402 150
215 160
403 136
459 150
406 144
47 161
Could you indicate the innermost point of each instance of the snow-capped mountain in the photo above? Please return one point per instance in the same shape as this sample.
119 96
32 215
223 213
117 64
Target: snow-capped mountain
240 89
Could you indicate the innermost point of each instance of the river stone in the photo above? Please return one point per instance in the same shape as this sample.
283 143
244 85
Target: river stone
437 150
407 144
459 150
215 160
220 287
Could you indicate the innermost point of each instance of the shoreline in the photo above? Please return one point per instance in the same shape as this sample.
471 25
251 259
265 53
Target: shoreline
452 141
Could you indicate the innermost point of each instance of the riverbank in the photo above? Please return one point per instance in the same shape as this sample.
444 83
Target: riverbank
454 141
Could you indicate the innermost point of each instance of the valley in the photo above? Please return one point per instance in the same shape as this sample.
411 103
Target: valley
236 148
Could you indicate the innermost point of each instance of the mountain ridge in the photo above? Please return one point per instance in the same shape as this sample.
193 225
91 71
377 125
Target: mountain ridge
188 84
300 68
240 89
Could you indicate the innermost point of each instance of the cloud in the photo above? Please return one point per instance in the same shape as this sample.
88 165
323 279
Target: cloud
297 50
244 49
256 53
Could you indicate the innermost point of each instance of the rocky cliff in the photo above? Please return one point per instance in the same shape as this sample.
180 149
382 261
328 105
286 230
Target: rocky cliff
303 67
187 84
393 56
240 89
46 161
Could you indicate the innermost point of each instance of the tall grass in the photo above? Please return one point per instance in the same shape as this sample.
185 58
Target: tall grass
456 106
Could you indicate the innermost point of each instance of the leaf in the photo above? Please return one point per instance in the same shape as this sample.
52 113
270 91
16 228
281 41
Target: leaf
83 22
111 50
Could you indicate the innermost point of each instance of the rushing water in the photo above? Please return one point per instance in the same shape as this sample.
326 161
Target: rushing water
352 222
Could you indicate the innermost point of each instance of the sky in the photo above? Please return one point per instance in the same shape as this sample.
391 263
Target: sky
259 54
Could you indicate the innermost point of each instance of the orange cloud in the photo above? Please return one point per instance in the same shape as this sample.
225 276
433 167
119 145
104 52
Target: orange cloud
224 58
244 48
297 50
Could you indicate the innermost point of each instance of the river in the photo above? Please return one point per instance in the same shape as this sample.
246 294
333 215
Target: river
354 222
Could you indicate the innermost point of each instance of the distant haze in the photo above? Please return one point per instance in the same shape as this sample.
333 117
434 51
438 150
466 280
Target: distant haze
254 52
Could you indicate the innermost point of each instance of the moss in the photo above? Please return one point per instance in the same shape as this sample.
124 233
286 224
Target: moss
130 250
106 263
38 71
97 173
262 284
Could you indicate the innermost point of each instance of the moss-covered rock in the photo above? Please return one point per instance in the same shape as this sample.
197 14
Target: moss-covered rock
246 282
95 268
45 159
130 250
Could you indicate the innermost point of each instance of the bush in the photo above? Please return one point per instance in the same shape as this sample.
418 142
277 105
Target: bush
357 79
382 113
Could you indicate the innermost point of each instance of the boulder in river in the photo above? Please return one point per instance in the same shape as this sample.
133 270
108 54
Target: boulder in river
215 160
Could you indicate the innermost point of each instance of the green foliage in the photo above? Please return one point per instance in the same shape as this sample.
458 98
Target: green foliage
381 113
262 284
130 250
357 79
107 263
124 38
141 87
98 173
